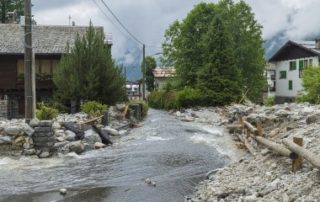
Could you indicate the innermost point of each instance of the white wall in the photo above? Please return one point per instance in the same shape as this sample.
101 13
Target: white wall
282 85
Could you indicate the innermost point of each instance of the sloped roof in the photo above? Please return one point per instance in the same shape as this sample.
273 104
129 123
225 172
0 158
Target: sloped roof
163 72
46 39
306 46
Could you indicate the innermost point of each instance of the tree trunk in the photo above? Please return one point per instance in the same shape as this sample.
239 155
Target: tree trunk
274 146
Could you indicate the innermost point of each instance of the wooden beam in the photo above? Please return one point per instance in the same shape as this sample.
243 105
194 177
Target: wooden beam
309 156
297 162
278 148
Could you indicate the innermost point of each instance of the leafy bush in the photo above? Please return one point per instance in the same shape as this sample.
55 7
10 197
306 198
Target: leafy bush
145 107
270 101
93 108
311 84
45 112
156 99
189 97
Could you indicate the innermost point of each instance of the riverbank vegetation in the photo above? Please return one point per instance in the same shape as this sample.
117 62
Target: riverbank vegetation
87 72
217 52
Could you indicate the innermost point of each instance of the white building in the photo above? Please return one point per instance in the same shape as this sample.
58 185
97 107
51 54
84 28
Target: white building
289 62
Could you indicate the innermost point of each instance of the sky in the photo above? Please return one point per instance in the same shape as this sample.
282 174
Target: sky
147 20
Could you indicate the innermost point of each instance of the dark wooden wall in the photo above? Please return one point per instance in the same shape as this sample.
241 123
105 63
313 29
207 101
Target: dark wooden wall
8 72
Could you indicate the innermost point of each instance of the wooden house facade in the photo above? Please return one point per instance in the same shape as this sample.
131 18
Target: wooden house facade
49 44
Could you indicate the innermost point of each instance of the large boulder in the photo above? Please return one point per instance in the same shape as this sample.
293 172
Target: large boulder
314 118
77 147
70 136
91 137
13 130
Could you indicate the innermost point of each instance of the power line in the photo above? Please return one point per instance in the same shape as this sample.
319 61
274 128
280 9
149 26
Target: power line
121 24
104 13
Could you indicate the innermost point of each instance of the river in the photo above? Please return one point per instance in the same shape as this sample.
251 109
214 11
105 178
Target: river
174 154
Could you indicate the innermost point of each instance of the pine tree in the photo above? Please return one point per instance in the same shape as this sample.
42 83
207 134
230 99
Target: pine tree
151 64
219 78
88 72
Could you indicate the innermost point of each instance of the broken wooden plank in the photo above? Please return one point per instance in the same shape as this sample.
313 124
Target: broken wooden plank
247 144
309 156
91 121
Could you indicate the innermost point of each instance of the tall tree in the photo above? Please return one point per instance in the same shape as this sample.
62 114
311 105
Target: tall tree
219 78
11 6
88 72
182 46
184 49
151 64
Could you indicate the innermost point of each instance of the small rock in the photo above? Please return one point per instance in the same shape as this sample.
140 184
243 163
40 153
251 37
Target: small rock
60 139
76 147
34 122
28 130
147 181
120 107
70 136
153 183
5 140
29 152
91 137
13 130
265 152
252 198
56 125
99 145
44 154
26 145
63 191
111 131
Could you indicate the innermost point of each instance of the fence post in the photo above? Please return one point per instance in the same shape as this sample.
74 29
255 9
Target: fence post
296 159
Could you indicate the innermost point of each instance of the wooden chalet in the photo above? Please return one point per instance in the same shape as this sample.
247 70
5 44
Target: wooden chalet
49 44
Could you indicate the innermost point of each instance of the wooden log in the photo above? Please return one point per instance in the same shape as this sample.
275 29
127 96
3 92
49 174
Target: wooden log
297 162
278 148
247 144
91 121
309 156
250 127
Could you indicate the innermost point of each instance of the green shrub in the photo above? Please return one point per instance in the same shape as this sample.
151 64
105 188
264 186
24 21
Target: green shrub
45 112
189 97
156 99
270 101
93 108
145 107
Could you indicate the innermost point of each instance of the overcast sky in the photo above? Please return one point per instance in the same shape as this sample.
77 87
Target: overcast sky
148 19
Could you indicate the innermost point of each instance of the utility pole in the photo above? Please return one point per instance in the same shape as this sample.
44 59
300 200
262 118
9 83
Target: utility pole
28 73
144 73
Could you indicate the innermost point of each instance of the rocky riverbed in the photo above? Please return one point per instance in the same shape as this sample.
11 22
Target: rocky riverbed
265 176
63 135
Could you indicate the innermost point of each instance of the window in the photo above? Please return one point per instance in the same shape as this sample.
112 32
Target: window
44 68
293 65
283 74
290 84
310 62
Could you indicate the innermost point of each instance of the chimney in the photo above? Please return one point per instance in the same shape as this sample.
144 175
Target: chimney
318 43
